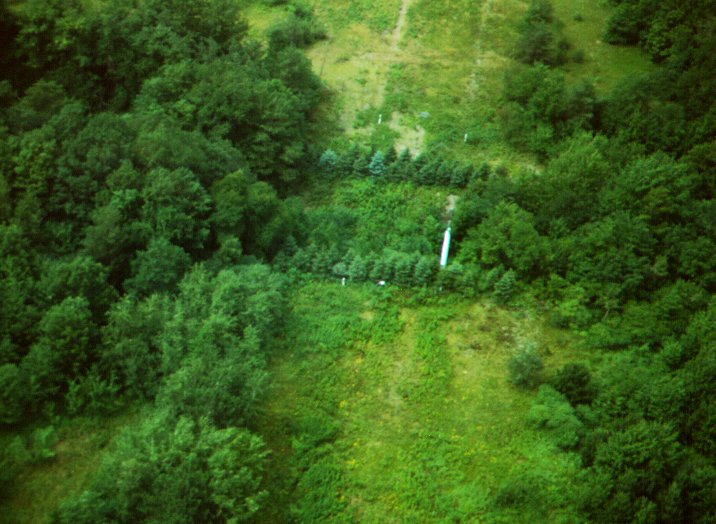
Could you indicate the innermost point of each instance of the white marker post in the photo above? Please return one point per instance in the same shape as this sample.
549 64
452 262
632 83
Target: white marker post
380 119
465 141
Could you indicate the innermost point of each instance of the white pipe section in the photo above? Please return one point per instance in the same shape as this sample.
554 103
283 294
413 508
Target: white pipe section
446 247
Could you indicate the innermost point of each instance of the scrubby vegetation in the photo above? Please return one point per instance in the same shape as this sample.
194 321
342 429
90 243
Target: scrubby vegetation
187 250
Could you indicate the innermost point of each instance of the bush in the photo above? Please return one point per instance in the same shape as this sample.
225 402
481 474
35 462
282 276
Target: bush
552 412
299 30
536 44
525 367
575 383
625 25
43 442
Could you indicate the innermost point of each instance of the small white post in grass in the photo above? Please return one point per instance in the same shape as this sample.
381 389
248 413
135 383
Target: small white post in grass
465 140
343 281
380 119
446 247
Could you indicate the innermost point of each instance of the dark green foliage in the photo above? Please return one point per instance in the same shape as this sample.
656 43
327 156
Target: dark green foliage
294 69
41 102
505 288
18 272
403 168
64 350
175 471
13 457
157 269
176 207
507 237
12 394
329 163
425 271
78 276
358 271
361 164
626 24
631 472
525 367
535 44
552 412
536 41
299 29
544 109
67 332
130 348
575 383
377 165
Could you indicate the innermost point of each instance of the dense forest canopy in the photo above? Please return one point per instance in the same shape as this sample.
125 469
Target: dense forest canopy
151 155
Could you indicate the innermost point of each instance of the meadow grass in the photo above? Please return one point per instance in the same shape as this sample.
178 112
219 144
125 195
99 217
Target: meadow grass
442 76
430 429
605 64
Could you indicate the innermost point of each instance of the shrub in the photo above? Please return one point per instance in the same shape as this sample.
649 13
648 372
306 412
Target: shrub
552 412
299 30
43 442
575 383
625 25
525 367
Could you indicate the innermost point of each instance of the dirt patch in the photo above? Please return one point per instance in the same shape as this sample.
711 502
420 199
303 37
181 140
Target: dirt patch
411 137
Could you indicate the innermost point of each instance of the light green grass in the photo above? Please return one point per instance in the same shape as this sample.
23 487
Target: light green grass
449 62
605 64
429 425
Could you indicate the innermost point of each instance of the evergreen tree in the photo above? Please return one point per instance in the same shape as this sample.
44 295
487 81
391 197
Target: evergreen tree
380 269
377 165
361 165
404 269
329 163
390 157
427 174
424 271
443 175
321 264
505 288
358 270
402 169
460 176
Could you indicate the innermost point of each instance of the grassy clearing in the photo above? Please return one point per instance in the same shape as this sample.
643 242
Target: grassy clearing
436 73
40 488
605 64
429 429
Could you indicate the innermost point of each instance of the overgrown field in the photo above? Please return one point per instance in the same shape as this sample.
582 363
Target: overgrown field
392 407
432 72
